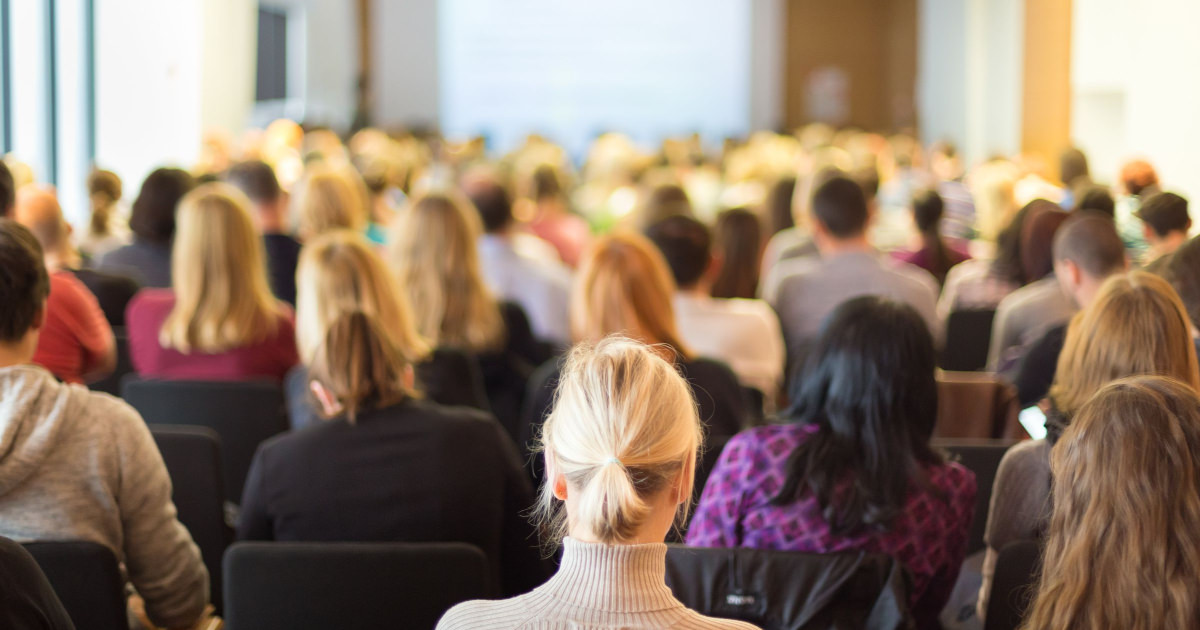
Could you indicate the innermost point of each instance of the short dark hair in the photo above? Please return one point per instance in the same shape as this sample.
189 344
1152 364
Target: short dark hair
1072 165
494 206
1097 199
24 285
928 208
257 179
841 206
1165 213
153 215
1090 240
686 244
8 190
546 183
1183 272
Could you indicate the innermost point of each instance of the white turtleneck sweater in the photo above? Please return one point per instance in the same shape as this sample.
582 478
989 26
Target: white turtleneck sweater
597 586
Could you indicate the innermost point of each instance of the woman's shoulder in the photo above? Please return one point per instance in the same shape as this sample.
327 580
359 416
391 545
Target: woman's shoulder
150 303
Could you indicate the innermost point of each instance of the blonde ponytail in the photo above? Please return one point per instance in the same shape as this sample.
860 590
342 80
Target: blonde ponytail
624 429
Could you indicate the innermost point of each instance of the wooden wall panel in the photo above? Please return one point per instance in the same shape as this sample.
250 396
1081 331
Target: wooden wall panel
1046 100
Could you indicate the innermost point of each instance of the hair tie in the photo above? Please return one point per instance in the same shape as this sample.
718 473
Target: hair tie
613 460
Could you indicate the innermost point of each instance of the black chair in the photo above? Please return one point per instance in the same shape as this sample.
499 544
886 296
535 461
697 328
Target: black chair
298 586
968 335
111 384
193 459
1013 584
26 597
981 457
756 403
243 414
787 590
87 580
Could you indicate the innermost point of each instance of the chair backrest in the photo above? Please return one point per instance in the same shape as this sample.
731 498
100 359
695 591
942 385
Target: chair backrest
968 335
981 457
26 594
111 384
297 586
786 590
1013 584
243 414
977 406
87 580
193 459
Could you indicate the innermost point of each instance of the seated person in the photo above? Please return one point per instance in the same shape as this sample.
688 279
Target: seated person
738 243
326 198
220 321
1136 325
742 333
1123 548
620 451
270 212
1166 224
853 470
933 253
76 342
107 229
391 466
148 258
77 465
980 284
340 272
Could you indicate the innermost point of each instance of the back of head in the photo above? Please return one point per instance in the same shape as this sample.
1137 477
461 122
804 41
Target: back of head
686 245
1097 199
841 207
779 204
928 207
152 218
665 201
1135 326
358 365
218 273
1165 213
1122 549
869 386
24 285
1072 165
340 273
38 209
494 205
1092 243
1138 175
104 191
326 199
624 287
1037 238
1183 272
739 242
623 430
257 180
546 184
8 190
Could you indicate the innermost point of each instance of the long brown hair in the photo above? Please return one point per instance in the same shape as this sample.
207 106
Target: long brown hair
359 366
739 242
1123 550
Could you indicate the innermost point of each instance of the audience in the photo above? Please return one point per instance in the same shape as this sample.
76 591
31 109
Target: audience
76 465
339 273
553 221
620 450
397 468
1087 251
1123 548
738 244
934 254
106 230
853 469
848 267
742 333
1136 325
220 321
148 258
1166 224
1096 199
326 199
1074 174
540 287
256 179
75 343
980 284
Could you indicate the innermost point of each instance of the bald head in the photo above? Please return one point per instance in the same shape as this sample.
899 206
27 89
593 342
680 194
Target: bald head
37 209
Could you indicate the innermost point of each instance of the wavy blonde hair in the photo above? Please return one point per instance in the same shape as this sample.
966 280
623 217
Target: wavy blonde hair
328 198
218 272
1136 325
1123 549
624 286
432 248
624 428
340 273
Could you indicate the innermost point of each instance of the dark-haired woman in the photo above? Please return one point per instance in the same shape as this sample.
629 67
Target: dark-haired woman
853 471
934 254
148 258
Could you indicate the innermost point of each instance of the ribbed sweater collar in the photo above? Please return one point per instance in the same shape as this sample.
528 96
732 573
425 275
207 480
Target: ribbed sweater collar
612 578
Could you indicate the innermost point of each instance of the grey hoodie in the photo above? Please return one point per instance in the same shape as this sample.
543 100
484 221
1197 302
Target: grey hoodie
79 465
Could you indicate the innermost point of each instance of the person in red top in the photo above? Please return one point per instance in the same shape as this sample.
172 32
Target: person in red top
568 233
220 321
76 342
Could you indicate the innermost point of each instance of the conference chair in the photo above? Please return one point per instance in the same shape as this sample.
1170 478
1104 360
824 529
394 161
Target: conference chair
981 457
978 406
788 590
243 414
968 335
111 384
1013 584
87 580
193 459
302 586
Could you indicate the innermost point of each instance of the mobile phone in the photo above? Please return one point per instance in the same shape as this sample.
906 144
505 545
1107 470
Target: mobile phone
1034 421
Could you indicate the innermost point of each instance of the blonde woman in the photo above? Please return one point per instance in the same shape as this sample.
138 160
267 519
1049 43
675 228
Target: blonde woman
339 272
220 321
620 452
328 198
1136 325
386 465
432 246
1118 555
625 287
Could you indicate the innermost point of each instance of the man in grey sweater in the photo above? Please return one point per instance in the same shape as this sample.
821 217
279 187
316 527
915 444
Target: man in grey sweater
77 465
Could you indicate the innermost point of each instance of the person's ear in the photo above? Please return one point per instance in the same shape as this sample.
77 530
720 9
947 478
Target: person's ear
558 481
1148 233
329 402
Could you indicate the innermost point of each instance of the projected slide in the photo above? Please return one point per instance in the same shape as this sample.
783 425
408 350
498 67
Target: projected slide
571 70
